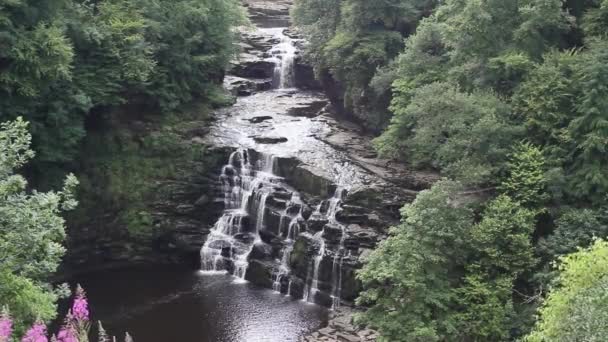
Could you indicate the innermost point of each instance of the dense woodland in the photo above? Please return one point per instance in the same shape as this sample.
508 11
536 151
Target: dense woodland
506 99
509 101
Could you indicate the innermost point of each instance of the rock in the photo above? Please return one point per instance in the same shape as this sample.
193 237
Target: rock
347 337
258 119
250 66
312 181
309 110
260 273
332 232
239 86
269 140
305 76
261 251
316 222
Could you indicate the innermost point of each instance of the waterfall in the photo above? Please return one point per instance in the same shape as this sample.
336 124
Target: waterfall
283 269
293 229
285 55
246 191
338 259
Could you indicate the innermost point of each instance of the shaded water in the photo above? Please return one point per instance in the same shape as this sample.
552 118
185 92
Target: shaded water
162 305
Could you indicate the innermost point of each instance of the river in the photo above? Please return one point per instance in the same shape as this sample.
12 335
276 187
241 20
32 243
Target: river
299 211
161 305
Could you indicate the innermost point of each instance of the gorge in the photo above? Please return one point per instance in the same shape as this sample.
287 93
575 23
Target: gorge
301 197
303 170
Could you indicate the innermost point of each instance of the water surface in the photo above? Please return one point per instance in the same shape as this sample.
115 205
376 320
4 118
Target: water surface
187 306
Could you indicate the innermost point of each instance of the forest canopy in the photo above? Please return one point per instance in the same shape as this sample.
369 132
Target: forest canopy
63 61
504 98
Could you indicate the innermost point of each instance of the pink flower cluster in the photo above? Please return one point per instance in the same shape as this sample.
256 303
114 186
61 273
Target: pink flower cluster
80 308
37 333
6 326
75 329
67 334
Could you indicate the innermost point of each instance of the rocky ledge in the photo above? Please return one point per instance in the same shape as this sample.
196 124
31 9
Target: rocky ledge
340 328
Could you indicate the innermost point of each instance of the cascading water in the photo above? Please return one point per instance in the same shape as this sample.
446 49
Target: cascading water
285 55
309 292
246 191
290 233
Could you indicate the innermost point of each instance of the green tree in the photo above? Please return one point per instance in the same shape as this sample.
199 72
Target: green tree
526 182
31 230
574 229
467 136
575 309
408 279
442 277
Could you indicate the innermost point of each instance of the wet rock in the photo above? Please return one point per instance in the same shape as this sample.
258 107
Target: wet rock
259 119
239 86
359 237
341 328
304 250
250 66
309 110
260 273
332 233
261 251
317 222
305 75
312 181
269 140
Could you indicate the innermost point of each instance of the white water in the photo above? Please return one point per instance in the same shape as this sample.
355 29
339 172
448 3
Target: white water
245 192
309 292
284 55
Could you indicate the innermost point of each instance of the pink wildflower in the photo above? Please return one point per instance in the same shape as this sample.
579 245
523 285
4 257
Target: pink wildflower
37 333
67 334
6 326
80 308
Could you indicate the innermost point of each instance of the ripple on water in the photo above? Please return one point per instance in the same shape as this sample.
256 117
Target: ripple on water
172 305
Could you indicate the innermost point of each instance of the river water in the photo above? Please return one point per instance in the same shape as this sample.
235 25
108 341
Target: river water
162 305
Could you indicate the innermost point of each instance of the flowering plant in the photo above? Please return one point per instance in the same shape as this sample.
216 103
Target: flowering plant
75 329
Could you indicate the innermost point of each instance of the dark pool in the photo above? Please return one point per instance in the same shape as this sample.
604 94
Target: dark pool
186 306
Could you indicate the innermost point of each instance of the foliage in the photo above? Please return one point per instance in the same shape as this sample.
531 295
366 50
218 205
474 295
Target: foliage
441 275
31 230
466 135
575 309
509 96
526 182
61 59
369 35
407 277
574 228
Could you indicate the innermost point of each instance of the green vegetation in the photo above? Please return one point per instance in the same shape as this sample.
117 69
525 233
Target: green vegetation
510 97
31 231
106 88
63 62
351 40
575 310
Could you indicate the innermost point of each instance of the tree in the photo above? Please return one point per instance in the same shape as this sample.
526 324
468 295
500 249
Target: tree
408 279
466 136
575 309
31 230
526 182
574 229
441 276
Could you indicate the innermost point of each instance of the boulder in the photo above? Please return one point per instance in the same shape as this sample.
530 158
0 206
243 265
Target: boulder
260 273
269 140
261 251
